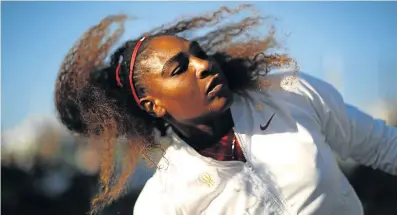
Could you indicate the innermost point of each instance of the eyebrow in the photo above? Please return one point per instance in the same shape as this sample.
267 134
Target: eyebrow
193 46
171 60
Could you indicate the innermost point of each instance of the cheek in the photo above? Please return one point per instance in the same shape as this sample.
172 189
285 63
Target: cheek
180 90
183 99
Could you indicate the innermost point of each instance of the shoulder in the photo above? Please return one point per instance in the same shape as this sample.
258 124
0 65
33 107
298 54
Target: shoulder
152 200
314 90
298 82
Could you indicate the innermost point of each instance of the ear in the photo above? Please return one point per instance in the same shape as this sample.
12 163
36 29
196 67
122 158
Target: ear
153 106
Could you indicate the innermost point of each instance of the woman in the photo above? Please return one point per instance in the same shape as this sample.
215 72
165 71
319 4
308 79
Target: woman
233 139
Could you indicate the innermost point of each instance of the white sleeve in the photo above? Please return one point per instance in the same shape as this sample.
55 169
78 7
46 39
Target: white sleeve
349 131
152 201
154 205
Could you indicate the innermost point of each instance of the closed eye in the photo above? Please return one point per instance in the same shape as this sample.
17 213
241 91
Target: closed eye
175 65
181 66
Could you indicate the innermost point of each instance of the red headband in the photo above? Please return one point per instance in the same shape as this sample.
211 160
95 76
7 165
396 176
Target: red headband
132 63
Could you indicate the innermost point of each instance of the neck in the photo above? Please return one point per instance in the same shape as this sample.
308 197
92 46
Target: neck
206 134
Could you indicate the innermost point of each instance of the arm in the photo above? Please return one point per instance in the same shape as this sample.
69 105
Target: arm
349 131
154 204
152 200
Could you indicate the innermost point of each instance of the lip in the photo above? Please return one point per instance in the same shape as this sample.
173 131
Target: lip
215 91
215 86
212 84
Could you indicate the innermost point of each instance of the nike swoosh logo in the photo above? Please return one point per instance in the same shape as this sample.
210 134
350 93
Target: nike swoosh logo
267 124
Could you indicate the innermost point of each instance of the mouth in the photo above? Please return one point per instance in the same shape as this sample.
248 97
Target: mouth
214 86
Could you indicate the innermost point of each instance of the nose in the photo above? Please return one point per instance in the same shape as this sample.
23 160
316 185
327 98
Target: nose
202 67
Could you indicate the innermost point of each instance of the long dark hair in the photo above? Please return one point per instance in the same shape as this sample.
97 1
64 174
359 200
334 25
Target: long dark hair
91 103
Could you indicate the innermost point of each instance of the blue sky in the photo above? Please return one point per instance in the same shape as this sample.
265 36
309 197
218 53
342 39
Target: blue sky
355 42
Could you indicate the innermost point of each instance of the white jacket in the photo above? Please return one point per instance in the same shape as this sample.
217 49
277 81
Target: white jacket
290 166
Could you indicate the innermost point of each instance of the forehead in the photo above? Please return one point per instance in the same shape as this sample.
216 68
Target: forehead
163 48
168 45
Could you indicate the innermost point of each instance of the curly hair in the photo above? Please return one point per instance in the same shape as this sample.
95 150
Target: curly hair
90 102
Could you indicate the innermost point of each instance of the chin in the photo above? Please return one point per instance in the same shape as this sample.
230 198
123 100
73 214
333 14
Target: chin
220 104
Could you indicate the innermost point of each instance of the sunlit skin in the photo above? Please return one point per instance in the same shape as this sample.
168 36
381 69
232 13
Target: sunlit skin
177 90
93 96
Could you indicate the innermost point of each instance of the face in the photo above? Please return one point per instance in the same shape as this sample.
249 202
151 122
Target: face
183 82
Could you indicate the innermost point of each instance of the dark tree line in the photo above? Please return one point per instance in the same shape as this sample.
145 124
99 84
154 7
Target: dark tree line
20 193
19 196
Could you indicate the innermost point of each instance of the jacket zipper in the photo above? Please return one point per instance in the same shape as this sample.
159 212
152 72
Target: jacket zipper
282 202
